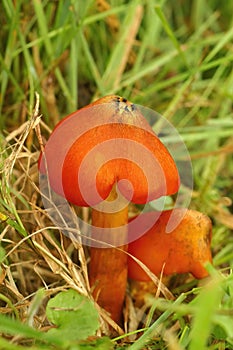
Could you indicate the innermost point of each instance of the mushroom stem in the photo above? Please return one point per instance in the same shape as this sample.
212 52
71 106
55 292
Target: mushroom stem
108 266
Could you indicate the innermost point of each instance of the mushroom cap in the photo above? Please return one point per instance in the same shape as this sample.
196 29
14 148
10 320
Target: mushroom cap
108 142
185 249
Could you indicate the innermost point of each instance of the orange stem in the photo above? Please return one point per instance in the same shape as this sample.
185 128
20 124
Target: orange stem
108 266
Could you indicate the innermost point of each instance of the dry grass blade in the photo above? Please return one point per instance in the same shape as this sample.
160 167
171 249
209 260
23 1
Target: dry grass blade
161 288
24 132
44 251
129 42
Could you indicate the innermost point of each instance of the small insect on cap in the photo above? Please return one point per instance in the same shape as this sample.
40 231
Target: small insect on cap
105 143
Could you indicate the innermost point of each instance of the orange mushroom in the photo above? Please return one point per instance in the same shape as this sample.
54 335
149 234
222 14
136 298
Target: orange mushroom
104 156
185 249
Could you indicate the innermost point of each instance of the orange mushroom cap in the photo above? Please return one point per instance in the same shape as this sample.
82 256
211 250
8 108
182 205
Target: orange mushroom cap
185 249
108 142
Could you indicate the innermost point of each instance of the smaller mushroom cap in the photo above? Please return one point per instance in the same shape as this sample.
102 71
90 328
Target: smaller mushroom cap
185 249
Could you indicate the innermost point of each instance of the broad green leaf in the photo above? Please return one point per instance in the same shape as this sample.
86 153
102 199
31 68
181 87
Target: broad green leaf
74 316
103 343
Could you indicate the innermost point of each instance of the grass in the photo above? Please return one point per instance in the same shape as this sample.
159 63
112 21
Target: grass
175 57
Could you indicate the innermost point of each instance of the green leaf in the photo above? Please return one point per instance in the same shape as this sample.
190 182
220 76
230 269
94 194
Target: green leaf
219 333
224 325
103 343
74 315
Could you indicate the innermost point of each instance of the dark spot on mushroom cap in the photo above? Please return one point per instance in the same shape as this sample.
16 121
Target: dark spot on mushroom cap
123 105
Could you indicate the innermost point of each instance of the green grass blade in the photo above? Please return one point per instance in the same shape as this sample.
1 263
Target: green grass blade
226 38
116 65
141 342
171 35
208 302
13 327
42 22
92 65
13 14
